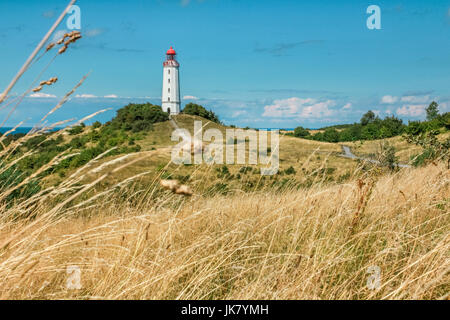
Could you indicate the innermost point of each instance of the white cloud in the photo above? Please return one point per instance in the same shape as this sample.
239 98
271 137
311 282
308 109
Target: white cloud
49 14
41 95
347 106
85 96
190 98
185 3
94 32
111 96
415 99
412 110
389 99
302 108
239 113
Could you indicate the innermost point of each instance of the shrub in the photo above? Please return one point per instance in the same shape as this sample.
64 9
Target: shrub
96 125
198 110
76 130
290 170
433 149
223 171
301 132
244 170
138 117
386 156
331 135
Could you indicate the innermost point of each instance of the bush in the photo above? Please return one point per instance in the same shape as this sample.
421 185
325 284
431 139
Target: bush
198 110
96 125
433 149
223 171
386 156
415 128
290 170
244 170
141 125
138 117
301 132
76 130
331 135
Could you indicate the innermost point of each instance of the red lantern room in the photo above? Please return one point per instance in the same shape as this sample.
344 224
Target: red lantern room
171 52
170 60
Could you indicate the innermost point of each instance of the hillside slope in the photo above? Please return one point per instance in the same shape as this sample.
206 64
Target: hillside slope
319 243
304 157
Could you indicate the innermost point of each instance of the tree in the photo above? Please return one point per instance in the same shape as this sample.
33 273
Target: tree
445 120
432 111
301 132
367 118
386 156
331 135
351 133
138 117
198 110
391 126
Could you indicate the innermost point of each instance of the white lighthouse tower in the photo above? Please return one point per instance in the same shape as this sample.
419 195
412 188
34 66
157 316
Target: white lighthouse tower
171 84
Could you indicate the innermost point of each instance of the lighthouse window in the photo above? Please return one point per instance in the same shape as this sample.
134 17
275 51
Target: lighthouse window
169 99
169 90
168 71
169 80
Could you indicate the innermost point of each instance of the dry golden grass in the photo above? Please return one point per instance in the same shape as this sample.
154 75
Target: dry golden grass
314 243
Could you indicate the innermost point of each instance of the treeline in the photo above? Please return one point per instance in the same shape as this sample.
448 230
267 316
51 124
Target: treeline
372 127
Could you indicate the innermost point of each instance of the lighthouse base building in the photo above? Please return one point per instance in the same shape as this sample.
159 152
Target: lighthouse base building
171 84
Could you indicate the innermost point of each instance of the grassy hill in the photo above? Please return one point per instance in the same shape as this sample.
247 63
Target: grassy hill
312 231
303 160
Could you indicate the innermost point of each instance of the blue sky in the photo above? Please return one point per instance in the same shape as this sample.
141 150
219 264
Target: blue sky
266 64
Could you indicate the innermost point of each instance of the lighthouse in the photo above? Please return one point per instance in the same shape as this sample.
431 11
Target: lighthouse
171 84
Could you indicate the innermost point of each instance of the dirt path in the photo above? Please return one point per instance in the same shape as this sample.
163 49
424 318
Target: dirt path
173 123
349 154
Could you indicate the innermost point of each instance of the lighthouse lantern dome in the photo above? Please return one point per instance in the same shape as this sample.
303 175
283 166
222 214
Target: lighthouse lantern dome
171 52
